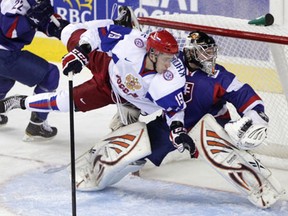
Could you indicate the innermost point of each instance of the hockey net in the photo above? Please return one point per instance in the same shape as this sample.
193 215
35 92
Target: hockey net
258 55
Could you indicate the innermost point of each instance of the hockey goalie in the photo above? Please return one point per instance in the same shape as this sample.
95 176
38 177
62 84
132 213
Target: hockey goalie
124 151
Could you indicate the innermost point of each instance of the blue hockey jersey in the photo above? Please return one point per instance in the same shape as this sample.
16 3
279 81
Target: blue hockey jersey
15 30
204 94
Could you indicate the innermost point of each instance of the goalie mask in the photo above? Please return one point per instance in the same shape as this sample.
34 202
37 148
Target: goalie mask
200 51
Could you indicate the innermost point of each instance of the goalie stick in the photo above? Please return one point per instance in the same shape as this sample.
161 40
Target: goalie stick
238 167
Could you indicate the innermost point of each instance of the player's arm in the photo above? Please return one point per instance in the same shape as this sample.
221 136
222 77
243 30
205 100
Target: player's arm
95 37
173 106
40 15
251 129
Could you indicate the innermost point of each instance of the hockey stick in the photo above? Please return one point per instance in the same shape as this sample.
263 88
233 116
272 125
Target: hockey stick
54 20
72 143
72 139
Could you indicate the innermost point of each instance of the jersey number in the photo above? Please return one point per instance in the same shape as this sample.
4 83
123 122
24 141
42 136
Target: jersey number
179 98
18 5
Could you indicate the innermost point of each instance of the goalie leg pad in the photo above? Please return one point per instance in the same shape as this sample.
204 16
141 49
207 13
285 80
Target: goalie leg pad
113 158
240 168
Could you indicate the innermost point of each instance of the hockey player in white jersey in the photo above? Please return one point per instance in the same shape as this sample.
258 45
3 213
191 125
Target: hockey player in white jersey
128 67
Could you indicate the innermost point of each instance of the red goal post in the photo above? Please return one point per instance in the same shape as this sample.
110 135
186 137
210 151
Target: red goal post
213 30
258 55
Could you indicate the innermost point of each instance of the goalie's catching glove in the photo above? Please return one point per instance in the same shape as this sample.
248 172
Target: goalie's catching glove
75 60
249 131
181 140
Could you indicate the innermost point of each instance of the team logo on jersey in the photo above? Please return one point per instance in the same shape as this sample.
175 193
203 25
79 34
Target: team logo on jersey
139 43
168 75
132 83
188 91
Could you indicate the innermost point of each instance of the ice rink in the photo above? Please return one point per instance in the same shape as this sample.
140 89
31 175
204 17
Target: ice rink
182 188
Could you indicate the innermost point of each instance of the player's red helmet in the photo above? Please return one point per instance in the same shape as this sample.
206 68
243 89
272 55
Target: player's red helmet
163 42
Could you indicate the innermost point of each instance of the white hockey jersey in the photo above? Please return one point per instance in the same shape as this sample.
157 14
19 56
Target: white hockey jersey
147 90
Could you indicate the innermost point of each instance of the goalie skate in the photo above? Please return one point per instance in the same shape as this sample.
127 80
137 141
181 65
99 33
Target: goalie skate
113 157
240 168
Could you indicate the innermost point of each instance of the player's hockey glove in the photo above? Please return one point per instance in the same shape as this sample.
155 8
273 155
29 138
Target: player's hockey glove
39 14
55 31
75 60
181 140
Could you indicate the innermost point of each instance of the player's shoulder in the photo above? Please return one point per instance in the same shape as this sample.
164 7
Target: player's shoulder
14 7
173 77
121 30
222 73
177 67
129 38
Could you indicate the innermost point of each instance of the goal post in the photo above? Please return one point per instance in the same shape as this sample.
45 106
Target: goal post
258 55
180 25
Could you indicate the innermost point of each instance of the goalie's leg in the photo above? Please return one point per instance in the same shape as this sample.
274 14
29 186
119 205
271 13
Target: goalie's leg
114 157
240 168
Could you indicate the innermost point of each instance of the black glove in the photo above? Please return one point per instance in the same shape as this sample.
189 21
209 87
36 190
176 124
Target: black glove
39 14
75 60
55 31
181 140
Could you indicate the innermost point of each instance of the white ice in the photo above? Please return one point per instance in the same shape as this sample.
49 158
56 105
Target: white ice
182 188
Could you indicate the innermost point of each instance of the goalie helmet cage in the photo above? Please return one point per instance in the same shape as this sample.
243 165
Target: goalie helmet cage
258 55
